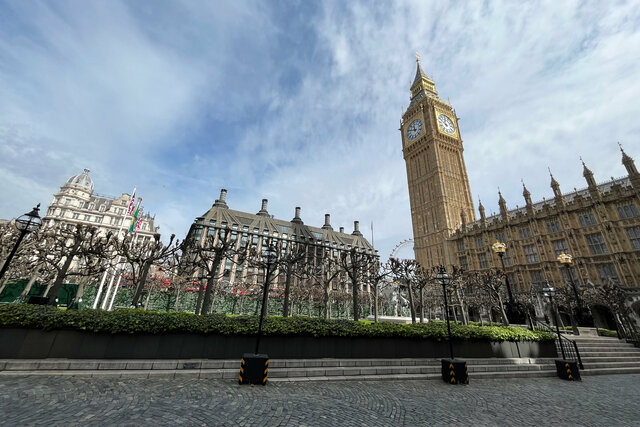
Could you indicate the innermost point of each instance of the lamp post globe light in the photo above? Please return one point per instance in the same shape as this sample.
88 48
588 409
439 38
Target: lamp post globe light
254 366
453 371
26 224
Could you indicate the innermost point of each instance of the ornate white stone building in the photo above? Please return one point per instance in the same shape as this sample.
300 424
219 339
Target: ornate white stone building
76 203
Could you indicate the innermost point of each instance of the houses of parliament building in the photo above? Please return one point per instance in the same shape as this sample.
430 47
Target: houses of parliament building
599 226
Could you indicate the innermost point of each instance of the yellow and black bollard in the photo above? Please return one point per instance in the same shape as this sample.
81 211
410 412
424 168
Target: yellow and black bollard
568 370
455 371
254 369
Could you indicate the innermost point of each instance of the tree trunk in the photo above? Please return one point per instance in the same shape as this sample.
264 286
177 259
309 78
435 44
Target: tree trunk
375 303
199 299
146 303
327 311
356 311
177 300
287 293
80 291
52 292
4 284
141 283
206 303
27 288
463 308
421 305
412 305
502 312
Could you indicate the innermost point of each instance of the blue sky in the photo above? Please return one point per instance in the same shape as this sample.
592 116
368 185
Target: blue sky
299 102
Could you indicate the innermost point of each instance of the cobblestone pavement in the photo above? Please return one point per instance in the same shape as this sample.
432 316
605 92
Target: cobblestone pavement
47 400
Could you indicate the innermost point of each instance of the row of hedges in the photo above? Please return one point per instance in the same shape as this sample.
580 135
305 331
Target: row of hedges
133 321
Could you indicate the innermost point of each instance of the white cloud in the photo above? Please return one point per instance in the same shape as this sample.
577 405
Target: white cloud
205 97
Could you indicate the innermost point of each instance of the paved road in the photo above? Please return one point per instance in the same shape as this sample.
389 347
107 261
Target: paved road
45 400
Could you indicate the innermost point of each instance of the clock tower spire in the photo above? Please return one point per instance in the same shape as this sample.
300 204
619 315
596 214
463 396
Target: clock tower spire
438 184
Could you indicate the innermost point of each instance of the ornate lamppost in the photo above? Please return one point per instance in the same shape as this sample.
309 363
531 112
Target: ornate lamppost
254 367
549 292
26 224
567 260
445 280
453 371
515 311
270 257
500 249
581 313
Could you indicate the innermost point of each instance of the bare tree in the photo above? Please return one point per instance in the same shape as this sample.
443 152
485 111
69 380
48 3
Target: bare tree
404 272
71 251
357 264
207 255
323 271
377 278
292 266
490 281
140 256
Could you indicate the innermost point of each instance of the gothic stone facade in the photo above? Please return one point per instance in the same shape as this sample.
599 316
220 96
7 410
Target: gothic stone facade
599 225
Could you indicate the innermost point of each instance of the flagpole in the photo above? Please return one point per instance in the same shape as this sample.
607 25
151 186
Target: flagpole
115 291
104 276
108 295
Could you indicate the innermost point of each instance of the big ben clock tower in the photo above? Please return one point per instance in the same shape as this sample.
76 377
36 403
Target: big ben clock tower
438 183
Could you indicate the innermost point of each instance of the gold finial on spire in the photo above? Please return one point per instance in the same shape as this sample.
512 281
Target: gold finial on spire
417 57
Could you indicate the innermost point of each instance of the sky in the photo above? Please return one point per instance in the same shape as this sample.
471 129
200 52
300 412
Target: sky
299 102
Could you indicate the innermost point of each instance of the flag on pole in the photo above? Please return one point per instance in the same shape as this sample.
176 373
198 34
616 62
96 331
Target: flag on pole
139 221
135 217
132 201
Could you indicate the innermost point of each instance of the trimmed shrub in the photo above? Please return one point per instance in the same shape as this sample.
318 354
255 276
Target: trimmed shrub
607 333
132 321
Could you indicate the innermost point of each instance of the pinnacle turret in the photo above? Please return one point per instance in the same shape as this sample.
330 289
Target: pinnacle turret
422 83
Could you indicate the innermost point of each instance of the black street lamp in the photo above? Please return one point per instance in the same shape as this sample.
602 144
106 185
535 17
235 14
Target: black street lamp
549 291
271 257
445 280
453 371
26 223
500 248
566 260
254 367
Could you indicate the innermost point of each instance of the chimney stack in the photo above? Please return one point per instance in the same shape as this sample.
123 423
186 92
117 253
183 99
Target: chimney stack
327 222
297 218
342 229
263 211
356 228
222 201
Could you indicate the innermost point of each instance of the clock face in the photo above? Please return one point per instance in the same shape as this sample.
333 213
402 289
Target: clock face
414 129
446 124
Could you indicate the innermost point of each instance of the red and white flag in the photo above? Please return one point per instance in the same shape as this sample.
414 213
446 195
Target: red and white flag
132 202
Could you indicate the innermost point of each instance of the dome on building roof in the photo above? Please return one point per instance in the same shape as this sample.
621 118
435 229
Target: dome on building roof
82 180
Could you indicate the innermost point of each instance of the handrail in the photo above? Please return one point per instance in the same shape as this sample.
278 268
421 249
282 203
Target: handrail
569 350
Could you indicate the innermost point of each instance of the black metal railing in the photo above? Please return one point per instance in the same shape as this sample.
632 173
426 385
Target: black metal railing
568 348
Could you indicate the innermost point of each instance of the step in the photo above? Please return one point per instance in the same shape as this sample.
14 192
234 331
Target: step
611 371
66 364
598 365
608 353
611 348
438 376
610 359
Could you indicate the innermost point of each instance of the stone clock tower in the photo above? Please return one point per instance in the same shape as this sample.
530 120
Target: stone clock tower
438 184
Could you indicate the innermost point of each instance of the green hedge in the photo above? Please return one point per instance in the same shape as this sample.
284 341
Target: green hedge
138 321
607 333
